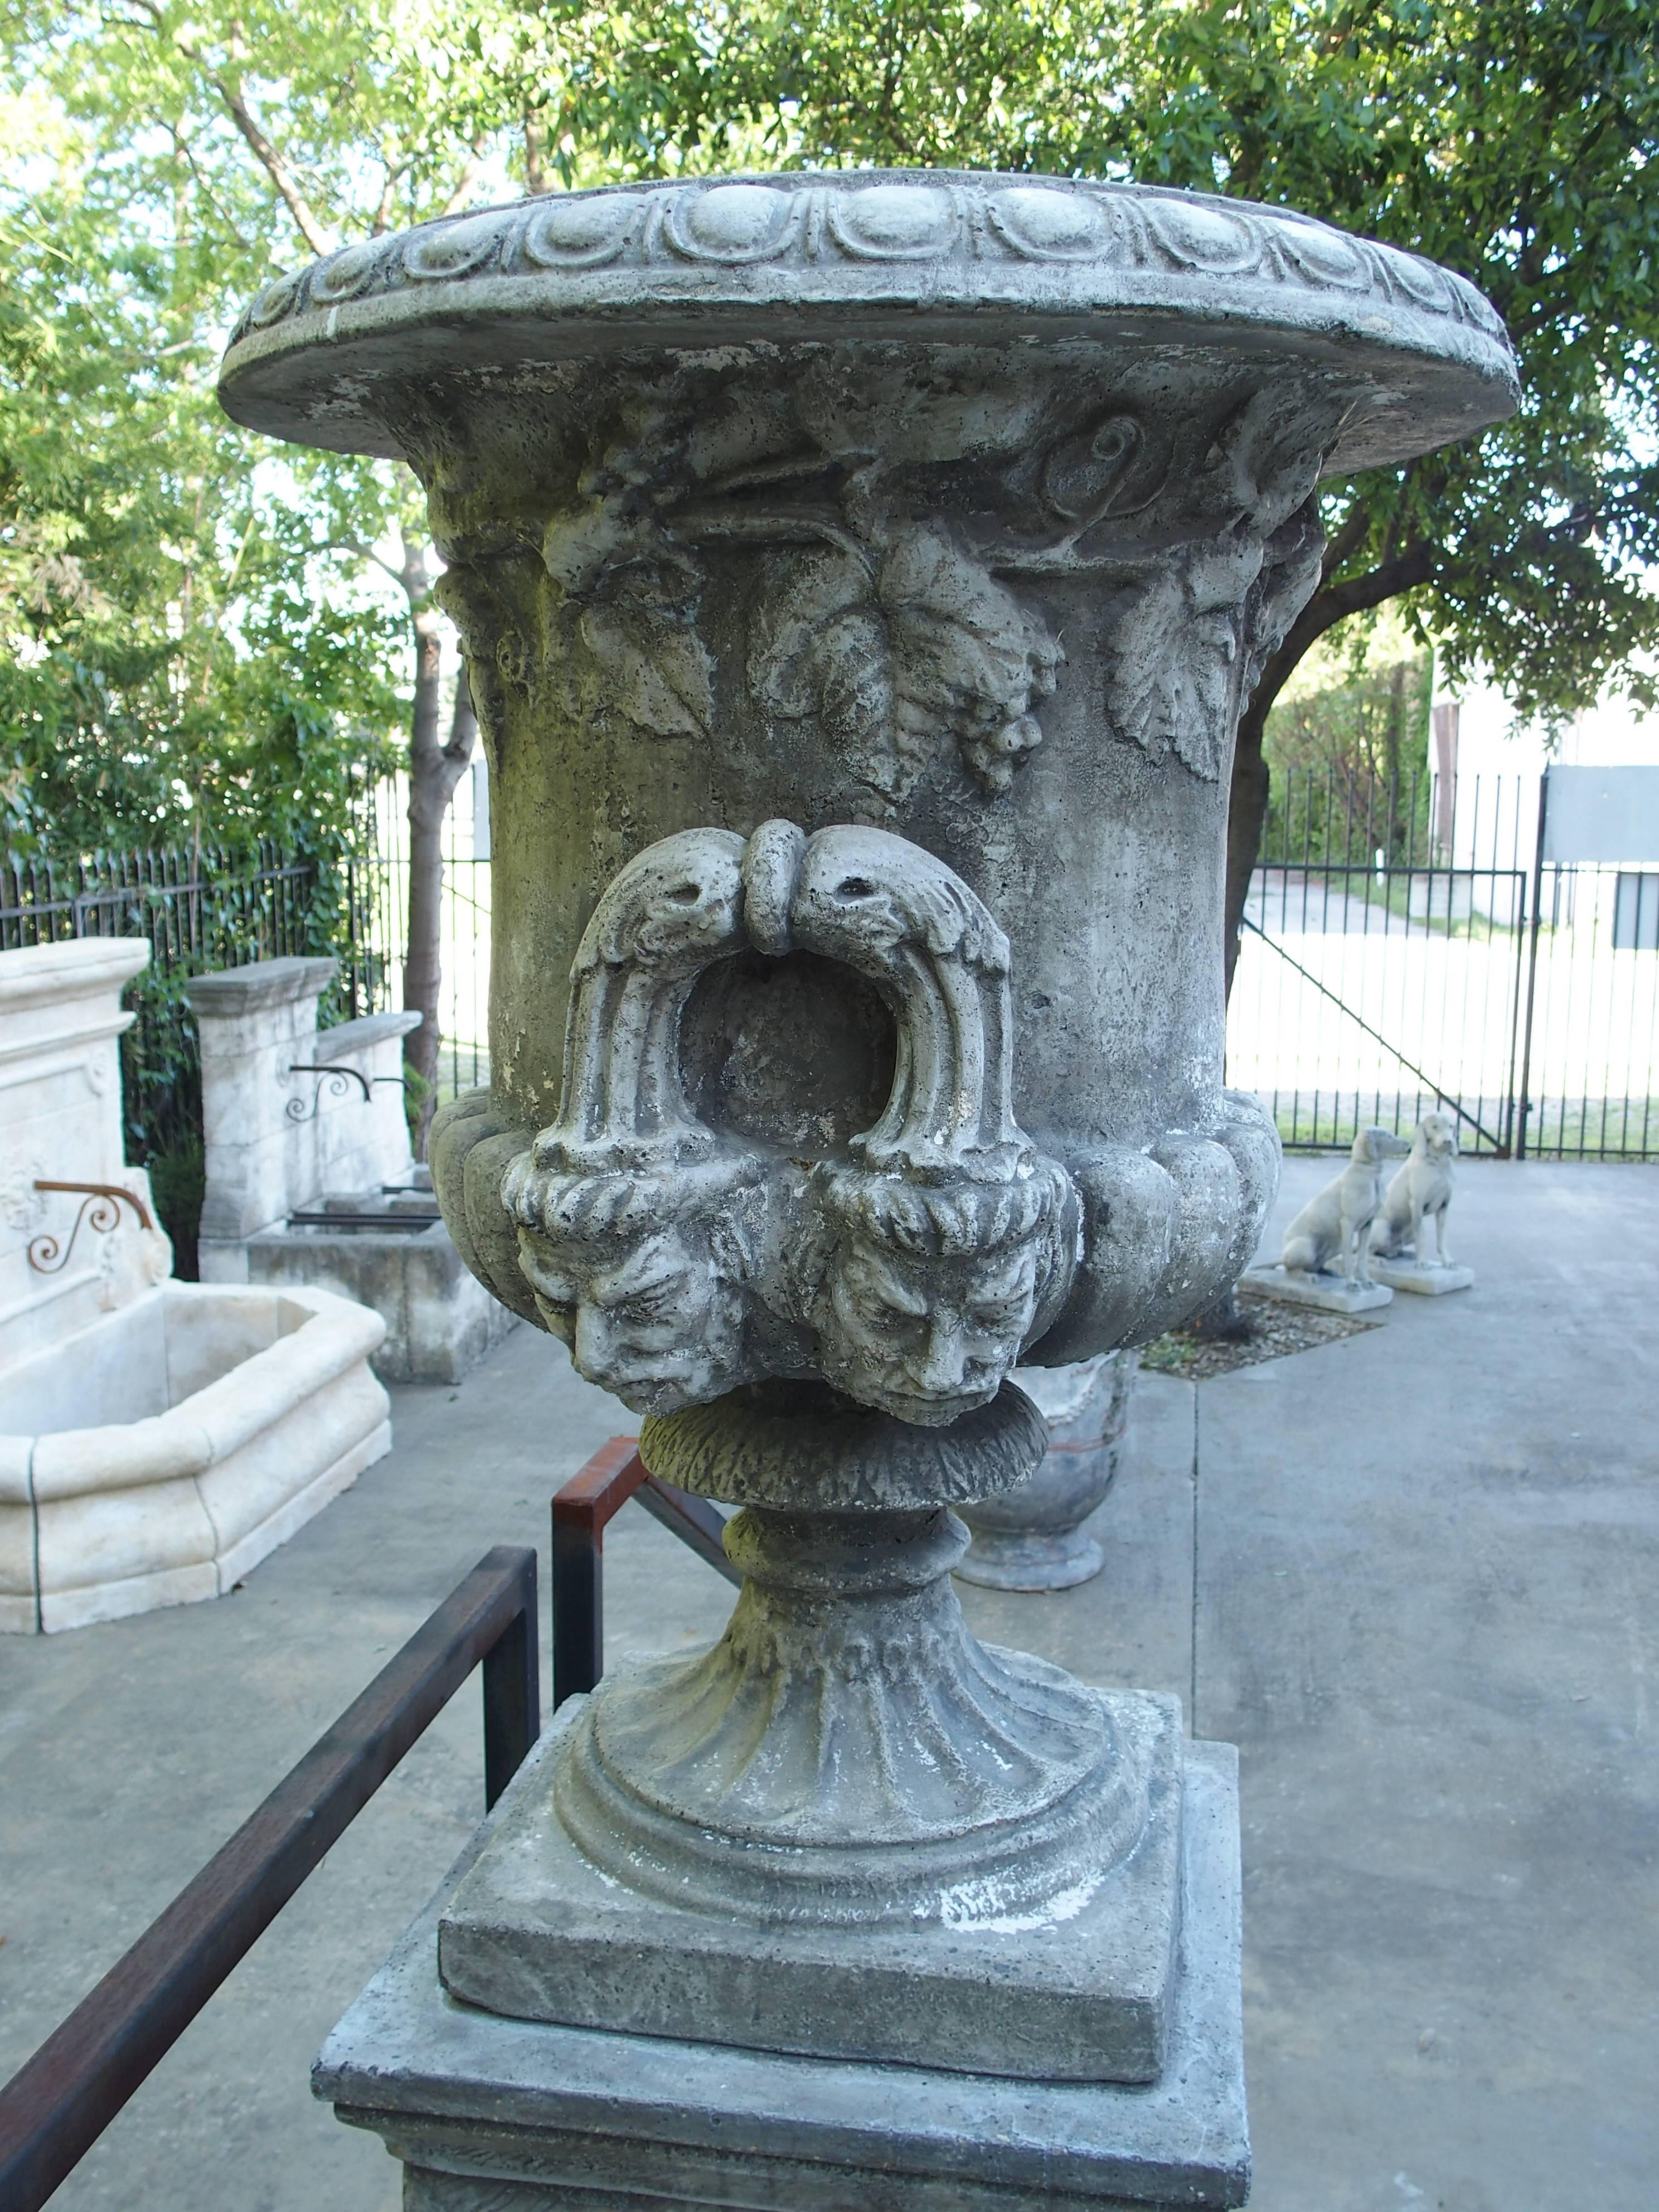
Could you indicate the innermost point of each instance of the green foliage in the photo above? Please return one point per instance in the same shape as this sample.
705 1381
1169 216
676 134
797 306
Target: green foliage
177 1182
1349 763
185 651
1517 141
194 642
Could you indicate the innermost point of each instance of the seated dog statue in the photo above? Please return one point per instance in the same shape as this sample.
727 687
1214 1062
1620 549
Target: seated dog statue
1332 1233
1423 1186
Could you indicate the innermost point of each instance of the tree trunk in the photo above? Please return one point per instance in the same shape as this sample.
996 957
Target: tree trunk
1246 814
1396 726
538 178
1224 1320
1248 809
435 767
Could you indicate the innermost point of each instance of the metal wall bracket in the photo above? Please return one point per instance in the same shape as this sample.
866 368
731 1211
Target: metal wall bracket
101 1206
338 1084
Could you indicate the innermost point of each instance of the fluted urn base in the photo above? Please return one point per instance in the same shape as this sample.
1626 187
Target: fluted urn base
849 1830
848 1755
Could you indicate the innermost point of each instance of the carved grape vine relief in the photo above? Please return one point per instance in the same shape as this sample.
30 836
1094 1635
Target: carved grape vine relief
900 615
889 648
886 632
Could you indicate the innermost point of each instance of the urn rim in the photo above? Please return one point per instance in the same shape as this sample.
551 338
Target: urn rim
948 256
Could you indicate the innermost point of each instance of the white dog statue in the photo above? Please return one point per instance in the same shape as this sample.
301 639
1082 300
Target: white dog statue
1423 1186
1332 1235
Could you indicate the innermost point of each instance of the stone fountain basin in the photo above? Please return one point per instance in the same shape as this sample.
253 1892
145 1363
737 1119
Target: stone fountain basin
156 1457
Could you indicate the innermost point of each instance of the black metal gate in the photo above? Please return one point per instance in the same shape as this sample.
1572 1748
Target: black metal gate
1423 949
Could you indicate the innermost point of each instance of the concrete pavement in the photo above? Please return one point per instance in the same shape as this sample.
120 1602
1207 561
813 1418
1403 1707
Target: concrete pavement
1411 1574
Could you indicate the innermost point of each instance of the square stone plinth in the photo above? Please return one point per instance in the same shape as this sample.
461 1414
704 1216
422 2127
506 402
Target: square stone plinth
1331 1293
1430 1282
1081 1992
493 2115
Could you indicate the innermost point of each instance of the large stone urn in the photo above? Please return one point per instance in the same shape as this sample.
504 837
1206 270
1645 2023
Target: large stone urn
860 577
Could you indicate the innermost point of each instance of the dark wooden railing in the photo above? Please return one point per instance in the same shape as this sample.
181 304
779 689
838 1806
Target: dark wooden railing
581 1511
56 2107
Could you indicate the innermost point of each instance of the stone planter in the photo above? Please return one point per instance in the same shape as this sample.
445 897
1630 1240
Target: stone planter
302 1123
157 1438
1034 1538
158 1455
859 577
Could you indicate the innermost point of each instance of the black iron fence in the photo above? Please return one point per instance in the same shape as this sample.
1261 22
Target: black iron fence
1401 951
1420 950
54 2109
1405 948
202 908
379 902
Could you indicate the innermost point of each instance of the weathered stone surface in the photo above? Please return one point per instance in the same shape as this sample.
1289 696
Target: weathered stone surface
281 1141
914 1949
679 1262
157 1438
849 1785
157 1456
804 1446
61 1020
236 994
1299 1286
489 2111
953 508
440 1321
1432 1279
275 1140
860 578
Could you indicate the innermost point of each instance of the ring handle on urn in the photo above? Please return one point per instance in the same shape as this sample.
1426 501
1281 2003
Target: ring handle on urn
909 1270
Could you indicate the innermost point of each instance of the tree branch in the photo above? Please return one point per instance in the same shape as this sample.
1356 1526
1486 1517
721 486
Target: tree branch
309 224
463 726
472 168
536 176
1355 524
400 574
306 221
211 197
1334 603
388 200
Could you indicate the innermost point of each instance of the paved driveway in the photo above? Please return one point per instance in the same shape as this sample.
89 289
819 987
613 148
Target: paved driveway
1413 1575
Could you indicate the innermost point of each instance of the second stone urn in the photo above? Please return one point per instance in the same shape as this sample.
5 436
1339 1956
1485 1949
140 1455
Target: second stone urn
860 578
1035 1538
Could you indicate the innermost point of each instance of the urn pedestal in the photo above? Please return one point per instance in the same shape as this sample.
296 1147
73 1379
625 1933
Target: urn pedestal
859 577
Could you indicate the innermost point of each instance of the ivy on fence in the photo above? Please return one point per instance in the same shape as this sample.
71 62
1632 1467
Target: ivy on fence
202 909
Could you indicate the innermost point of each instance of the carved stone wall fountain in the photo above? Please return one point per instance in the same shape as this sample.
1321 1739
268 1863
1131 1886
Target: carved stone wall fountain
860 578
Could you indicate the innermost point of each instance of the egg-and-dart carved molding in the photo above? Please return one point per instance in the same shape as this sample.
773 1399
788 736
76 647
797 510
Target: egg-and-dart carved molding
816 220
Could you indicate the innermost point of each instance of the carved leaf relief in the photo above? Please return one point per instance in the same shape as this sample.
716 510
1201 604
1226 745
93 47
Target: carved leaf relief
1290 571
1189 639
1171 657
893 635
636 599
893 653
657 671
